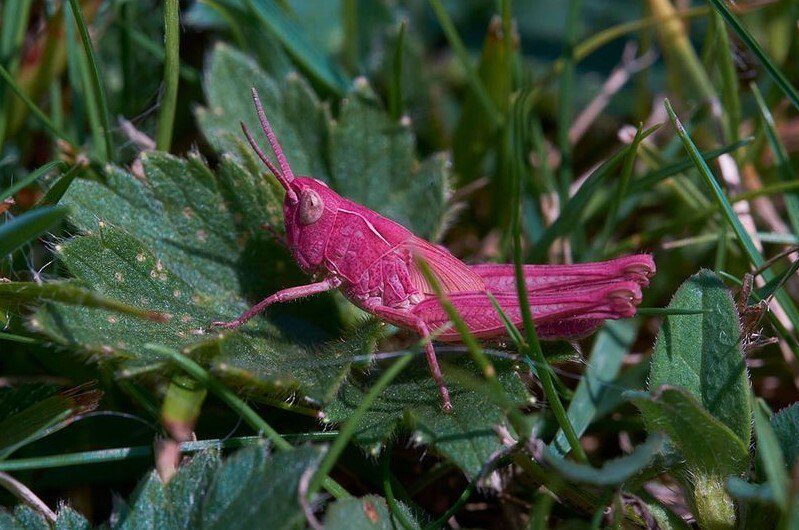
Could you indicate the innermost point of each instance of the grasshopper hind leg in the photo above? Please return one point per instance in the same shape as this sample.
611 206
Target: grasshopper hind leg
406 320
435 369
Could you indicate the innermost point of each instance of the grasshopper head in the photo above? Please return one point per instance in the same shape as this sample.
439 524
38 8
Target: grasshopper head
309 207
309 220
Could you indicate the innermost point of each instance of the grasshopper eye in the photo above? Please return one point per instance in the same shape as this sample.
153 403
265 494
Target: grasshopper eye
311 206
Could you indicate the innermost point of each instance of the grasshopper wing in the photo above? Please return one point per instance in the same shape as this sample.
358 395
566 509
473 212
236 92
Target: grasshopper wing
453 275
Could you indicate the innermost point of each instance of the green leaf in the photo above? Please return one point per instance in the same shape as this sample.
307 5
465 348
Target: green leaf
28 226
365 513
612 472
296 114
250 489
412 402
363 154
611 345
702 354
786 427
185 241
29 519
297 43
69 519
708 446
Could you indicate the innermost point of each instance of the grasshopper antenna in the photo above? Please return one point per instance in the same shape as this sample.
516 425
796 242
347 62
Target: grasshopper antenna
260 153
285 175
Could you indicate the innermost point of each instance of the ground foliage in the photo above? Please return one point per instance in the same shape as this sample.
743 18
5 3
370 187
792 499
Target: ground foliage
135 214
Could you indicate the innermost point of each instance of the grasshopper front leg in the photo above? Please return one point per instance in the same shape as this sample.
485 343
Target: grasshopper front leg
286 295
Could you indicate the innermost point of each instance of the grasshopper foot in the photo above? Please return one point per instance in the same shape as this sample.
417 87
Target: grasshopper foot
447 405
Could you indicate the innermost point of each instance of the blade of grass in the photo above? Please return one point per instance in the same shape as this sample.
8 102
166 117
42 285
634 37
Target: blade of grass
29 179
729 80
99 90
533 351
746 243
611 345
166 116
395 86
237 405
621 191
785 171
572 210
60 186
388 489
518 341
495 389
13 23
120 454
466 63
564 112
768 447
65 293
296 43
677 46
17 338
144 42
26 227
773 71
348 429
35 110
85 110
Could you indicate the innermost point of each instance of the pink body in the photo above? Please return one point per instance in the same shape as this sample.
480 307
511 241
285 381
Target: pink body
371 259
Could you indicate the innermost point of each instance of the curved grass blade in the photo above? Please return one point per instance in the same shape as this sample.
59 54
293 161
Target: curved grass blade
612 472
66 293
97 84
785 171
17 338
748 246
648 180
53 195
570 213
773 71
32 107
26 227
119 454
31 178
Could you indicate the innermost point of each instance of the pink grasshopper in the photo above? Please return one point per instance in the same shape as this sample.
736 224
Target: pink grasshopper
347 246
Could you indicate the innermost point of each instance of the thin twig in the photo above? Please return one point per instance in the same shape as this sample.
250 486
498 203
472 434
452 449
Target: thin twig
628 66
23 493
